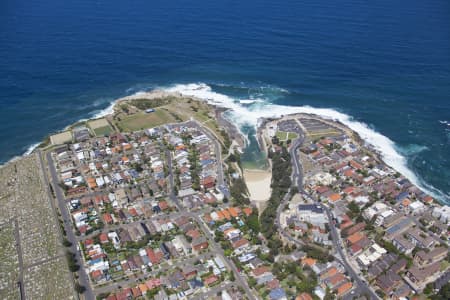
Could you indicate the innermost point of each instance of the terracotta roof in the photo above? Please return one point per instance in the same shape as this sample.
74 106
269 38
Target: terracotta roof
211 279
193 233
355 237
103 238
336 279
330 272
348 173
136 292
247 211
304 296
239 243
349 189
95 274
355 248
428 199
233 211
334 197
226 214
344 288
229 230
220 215
143 287
207 218
322 189
355 165
260 271
152 283
273 284
309 261
163 205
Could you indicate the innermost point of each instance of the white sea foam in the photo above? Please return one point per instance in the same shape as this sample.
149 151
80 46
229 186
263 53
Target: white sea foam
104 112
249 101
413 149
31 148
249 115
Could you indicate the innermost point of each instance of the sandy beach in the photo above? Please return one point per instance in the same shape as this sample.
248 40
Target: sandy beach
258 183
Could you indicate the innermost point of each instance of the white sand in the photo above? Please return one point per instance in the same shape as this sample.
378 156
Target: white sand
258 183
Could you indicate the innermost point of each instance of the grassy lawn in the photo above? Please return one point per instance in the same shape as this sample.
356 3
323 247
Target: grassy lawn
317 134
292 135
143 120
101 131
444 265
283 136
168 110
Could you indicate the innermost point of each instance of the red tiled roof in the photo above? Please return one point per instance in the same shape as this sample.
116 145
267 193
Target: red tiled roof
304 296
193 233
107 218
273 284
247 211
103 238
344 288
240 243
308 261
355 237
260 271
163 205
211 279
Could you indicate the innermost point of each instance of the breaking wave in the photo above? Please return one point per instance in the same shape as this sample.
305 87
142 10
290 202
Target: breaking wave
245 112
104 112
31 148
260 108
412 149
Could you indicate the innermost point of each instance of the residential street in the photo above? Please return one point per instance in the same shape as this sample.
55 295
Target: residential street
215 247
83 277
362 287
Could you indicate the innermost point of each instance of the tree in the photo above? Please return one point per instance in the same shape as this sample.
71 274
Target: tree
444 293
253 222
428 289
281 182
329 295
80 289
73 266
66 243
251 281
354 208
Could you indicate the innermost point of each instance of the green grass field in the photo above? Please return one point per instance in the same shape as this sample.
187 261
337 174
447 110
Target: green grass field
101 131
143 120
283 136
328 133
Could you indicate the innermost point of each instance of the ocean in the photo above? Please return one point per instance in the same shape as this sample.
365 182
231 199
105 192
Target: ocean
382 67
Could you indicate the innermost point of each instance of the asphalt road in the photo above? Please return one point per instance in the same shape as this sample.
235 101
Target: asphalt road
82 274
134 279
217 150
297 174
362 287
217 249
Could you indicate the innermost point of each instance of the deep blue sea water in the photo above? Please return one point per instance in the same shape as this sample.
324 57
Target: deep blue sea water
385 63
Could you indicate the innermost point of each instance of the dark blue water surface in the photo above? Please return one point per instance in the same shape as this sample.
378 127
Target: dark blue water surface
385 62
